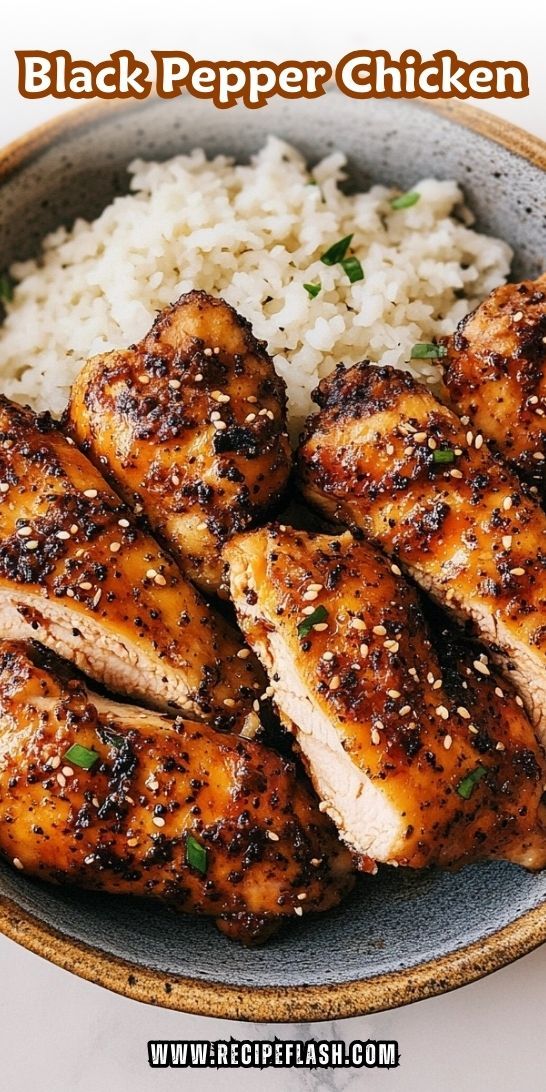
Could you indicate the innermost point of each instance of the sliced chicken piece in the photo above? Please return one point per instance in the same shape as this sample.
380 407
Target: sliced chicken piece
190 427
119 799
404 767
385 456
78 575
495 374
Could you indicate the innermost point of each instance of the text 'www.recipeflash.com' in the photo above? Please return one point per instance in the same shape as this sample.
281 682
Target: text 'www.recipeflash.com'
276 1054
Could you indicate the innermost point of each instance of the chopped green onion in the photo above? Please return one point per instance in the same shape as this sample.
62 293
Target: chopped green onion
81 756
313 289
196 854
337 251
6 288
312 181
466 787
443 456
425 350
113 739
405 200
319 614
353 269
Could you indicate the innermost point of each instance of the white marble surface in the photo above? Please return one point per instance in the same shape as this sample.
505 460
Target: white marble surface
58 1033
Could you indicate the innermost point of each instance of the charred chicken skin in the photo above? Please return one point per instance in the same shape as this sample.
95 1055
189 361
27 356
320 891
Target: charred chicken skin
78 575
385 456
190 427
119 799
415 766
495 374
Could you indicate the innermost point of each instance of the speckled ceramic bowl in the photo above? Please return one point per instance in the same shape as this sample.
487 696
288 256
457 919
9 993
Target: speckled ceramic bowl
400 937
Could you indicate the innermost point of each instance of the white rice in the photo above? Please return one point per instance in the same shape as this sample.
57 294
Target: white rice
253 234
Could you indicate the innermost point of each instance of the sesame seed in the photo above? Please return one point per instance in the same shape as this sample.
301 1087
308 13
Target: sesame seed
158 821
463 712
432 444
24 532
230 703
507 504
517 316
85 585
175 479
251 398
95 801
364 649
123 523
315 587
335 682
216 350
73 529
390 449
299 911
519 701
4 487
160 580
144 379
308 610
272 836
262 412
97 597
53 763
17 863
220 426
215 415
202 526
250 417
455 473
518 571
323 806
499 692
538 456
91 493
68 771
500 746
199 376
319 627
357 623
478 442
409 450
405 710
507 541
243 653
458 450
174 384
61 780
132 842
216 395
376 738
437 684
447 742
32 544
208 352
89 859
270 415
151 573
472 728
470 438
309 595
396 570
533 400
430 677
393 693
328 656
392 646
315 861
420 437
380 631
115 547
302 895
465 420
442 712
481 668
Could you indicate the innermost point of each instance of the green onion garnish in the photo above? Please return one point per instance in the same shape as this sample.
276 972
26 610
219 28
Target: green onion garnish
353 269
6 288
466 787
313 289
443 456
405 200
319 614
81 756
337 252
196 854
425 350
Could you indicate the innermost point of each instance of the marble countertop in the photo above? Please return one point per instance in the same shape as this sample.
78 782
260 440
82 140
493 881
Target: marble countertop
57 1032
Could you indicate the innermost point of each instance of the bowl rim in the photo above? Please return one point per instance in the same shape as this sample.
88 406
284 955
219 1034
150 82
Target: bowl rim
272 1004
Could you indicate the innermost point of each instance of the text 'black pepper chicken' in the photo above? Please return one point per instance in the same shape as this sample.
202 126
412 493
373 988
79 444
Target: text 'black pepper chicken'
119 799
190 427
495 374
77 574
419 759
385 456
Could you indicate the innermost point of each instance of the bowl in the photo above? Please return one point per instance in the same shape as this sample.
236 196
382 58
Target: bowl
400 937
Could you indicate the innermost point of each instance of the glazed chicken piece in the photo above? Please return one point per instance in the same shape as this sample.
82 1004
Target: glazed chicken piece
118 799
78 575
385 456
495 374
190 427
412 771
